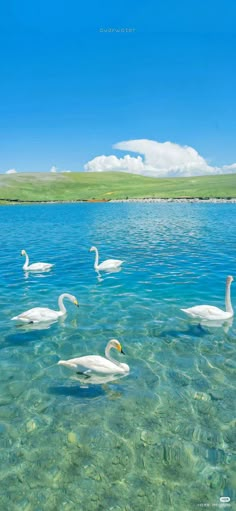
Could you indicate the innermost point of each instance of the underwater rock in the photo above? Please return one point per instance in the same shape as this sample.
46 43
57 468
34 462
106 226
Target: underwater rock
92 473
202 396
72 438
149 437
31 426
216 480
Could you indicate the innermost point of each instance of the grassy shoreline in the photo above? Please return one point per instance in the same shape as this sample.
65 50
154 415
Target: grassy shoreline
91 187
196 200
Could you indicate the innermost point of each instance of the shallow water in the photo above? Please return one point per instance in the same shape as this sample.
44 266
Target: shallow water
162 437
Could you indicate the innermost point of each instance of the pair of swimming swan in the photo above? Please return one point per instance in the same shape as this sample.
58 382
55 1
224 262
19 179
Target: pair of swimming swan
200 312
88 365
109 264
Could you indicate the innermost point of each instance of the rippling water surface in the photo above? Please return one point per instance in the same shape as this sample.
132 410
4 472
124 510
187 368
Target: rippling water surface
162 437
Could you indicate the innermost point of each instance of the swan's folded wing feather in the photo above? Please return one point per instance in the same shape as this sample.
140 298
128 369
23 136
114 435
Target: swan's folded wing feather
37 314
40 266
94 363
26 316
203 311
214 311
114 261
110 263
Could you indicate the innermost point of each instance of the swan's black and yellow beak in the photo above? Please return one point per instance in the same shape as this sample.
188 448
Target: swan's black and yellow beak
123 353
76 303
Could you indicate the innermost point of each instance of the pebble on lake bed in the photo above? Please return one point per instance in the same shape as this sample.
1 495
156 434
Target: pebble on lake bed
30 426
202 396
72 438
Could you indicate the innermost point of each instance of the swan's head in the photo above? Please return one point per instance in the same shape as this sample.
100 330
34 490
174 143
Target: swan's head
92 249
74 300
229 279
22 252
113 343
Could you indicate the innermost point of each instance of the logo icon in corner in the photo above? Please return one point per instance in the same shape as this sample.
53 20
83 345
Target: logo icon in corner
224 499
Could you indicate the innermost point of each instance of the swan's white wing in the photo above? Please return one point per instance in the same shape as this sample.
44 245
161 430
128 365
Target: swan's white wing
36 315
205 312
110 263
94 364
39 266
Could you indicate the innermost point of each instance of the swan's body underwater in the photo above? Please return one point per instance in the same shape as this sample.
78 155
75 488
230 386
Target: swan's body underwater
211 313
109 264
41 314
95 364
35 266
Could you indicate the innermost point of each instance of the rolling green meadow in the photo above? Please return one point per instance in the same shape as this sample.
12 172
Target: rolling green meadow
76 186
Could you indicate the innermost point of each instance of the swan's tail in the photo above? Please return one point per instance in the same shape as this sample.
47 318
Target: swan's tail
65 363
186 311
22 319
61 362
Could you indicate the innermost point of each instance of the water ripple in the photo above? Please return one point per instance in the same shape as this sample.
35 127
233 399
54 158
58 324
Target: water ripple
166 432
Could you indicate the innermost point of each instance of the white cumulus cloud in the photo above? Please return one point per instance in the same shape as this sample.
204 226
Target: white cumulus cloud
11 171
53 169
106 163
159 159
229 168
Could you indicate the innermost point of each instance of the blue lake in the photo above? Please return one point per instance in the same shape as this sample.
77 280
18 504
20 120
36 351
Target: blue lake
162 437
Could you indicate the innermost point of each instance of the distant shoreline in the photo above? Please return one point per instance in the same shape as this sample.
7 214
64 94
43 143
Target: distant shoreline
199 200
180 199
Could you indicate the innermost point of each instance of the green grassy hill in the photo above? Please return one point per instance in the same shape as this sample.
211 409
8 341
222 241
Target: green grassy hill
74 186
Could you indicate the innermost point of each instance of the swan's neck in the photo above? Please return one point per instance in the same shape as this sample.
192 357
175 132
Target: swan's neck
109 357
26 261
96 258
61 303
228 304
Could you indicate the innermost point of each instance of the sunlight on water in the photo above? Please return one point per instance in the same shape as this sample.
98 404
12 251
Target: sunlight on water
162 437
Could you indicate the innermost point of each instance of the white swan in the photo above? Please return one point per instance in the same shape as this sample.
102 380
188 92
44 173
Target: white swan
211 313
35 266
95 364
40 314
109 264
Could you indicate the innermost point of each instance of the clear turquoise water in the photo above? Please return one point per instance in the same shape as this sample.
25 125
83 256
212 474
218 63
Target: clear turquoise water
164 436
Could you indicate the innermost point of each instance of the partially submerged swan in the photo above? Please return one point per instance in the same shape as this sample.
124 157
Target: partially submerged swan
211 313
95 364
40 314
109 264
35 266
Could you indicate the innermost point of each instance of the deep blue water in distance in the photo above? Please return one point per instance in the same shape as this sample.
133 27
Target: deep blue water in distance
162 437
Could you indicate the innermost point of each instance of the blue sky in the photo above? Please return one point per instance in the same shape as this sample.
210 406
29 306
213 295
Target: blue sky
69 92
